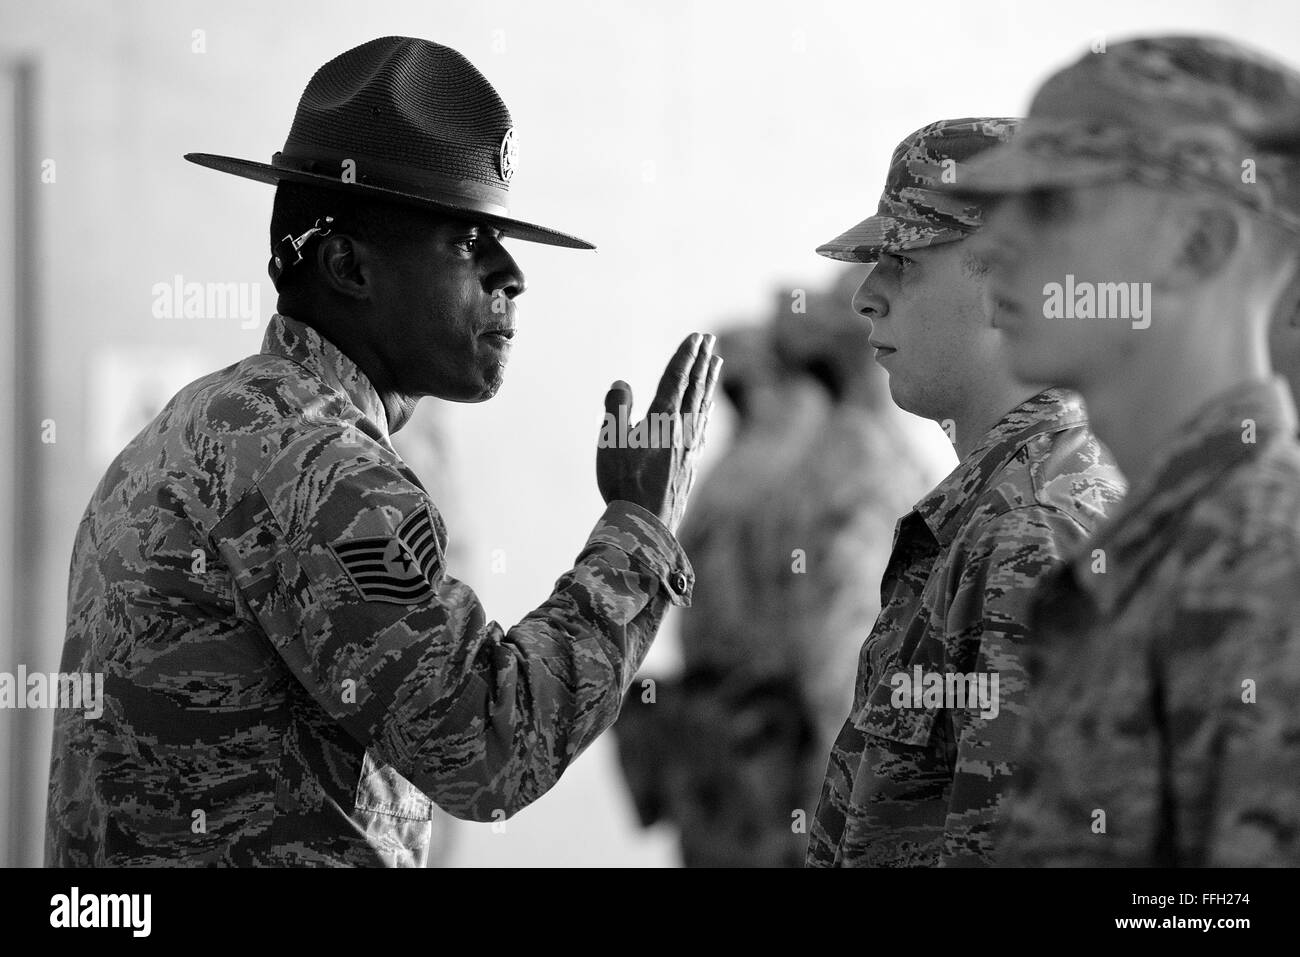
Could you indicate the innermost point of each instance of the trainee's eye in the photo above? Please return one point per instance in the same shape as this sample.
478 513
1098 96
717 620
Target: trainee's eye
1047 204
904 262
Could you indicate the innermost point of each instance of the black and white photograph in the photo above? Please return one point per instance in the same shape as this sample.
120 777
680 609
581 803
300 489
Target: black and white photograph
644 435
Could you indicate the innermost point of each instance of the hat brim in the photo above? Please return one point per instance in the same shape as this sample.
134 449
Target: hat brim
1012 168
266 173
878 234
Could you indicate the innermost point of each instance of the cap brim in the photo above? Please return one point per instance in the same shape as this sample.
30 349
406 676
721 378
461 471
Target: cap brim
868 239
1012 168
266 173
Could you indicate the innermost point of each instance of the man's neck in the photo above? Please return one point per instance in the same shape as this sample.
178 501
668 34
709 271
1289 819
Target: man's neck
1136 411
976 418
398 408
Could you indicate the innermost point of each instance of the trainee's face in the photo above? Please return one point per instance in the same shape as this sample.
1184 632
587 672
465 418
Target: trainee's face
447 306
1073 279
928 324
1284 336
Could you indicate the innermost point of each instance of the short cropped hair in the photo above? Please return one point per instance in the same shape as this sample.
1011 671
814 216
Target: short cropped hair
972 265
297 206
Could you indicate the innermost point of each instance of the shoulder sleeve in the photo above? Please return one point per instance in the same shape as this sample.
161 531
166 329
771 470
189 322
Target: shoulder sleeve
988 623
1228 678
339 558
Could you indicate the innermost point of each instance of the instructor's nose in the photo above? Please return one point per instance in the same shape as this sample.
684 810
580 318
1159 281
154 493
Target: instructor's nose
504 273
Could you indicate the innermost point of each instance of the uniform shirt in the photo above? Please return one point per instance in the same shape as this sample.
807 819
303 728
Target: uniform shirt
910 781
784 529
290 675
1165 715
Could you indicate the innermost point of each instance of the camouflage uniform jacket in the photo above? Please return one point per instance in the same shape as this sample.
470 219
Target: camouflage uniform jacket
1164 716
913 783
291 677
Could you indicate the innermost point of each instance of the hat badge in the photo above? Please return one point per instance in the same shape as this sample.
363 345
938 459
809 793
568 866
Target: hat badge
508 154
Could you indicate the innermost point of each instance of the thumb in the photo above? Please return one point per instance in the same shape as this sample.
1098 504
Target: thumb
619 394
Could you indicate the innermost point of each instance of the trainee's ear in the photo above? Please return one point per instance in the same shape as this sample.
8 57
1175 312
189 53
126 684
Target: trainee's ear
1284 335
1210 235
342 262
1287 311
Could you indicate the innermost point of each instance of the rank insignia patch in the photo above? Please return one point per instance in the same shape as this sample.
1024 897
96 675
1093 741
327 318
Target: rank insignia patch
397 569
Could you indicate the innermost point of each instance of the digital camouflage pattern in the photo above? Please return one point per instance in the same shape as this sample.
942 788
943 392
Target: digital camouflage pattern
918 787
269 700
914 210
1167 670
789 522
1187 113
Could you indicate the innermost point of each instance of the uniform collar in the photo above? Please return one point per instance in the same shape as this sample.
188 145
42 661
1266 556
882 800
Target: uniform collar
946 508
1210 443
294 339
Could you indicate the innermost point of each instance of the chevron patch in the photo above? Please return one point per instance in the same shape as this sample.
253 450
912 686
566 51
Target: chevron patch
397 569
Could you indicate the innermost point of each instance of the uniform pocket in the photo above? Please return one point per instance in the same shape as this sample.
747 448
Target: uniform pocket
395 816
383 790
896 716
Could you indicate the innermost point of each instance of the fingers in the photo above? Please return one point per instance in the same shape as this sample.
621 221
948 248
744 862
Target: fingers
699 373
672 387
619 394
715 373
618 409
700 422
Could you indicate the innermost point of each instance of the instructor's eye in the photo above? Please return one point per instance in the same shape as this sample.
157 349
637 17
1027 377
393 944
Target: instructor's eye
469 243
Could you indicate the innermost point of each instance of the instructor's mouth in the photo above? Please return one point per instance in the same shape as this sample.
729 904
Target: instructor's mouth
499 337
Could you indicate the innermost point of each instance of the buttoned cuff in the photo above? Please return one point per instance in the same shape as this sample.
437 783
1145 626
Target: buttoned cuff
642 537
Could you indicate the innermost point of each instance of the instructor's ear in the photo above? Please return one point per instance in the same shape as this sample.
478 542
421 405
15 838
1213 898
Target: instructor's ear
344 264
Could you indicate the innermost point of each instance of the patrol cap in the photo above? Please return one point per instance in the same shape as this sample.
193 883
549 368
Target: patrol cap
913 212
1187 113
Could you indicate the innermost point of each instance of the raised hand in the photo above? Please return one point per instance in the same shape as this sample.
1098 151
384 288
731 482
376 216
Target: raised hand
652 463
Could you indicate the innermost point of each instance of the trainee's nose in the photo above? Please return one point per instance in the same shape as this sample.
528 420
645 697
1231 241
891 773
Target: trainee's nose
867 302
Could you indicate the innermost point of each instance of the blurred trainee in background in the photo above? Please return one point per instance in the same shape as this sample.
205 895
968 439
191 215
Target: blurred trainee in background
789 534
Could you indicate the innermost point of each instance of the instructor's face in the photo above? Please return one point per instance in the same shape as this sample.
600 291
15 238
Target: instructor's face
449 314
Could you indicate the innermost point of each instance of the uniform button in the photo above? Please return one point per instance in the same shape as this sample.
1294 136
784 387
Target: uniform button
679 583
